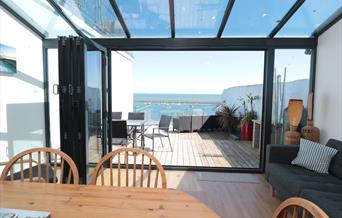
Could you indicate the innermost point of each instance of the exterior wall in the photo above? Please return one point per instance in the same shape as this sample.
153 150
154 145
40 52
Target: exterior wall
122 83
328 88
294 89
22 123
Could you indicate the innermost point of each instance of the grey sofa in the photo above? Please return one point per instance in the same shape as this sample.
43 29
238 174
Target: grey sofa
288 180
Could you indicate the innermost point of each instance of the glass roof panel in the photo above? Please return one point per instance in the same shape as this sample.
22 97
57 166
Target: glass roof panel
255 18
308 17
198 18
146 18
52 25
94 18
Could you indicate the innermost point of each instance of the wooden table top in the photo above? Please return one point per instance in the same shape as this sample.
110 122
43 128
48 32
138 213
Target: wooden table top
100 201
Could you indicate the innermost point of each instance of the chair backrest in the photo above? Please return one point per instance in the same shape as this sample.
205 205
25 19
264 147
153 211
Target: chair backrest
133 163
136 116
292 206
119 129
116 115
164 122
42 167
184 123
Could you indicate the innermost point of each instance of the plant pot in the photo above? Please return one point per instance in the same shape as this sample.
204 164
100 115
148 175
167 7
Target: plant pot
246 131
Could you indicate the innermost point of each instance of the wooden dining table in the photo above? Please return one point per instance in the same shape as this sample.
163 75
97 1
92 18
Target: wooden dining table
100 201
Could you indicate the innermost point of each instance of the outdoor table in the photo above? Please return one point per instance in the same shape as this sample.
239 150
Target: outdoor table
135 124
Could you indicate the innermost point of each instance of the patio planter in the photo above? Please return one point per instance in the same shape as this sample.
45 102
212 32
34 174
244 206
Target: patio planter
246 130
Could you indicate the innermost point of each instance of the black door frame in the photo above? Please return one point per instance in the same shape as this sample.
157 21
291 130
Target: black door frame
267 45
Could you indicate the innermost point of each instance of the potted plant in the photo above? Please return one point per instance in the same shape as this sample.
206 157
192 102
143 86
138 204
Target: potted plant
227 116
250 114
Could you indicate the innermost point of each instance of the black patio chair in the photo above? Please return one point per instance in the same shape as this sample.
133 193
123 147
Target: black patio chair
120 133
116 115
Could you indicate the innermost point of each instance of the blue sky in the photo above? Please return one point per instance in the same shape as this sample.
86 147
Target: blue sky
209 72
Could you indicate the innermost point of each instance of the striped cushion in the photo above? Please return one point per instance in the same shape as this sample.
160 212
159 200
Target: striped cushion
314 156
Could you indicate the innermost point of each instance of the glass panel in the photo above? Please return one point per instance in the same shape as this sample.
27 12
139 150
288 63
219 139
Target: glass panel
94 102
22 121
53 76
291 81
146 18
255 18
309 16
198 18
41 15
94 18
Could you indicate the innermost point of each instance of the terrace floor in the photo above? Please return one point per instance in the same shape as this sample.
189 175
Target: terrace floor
203 149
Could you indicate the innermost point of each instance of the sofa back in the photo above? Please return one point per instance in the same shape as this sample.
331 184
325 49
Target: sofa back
336 163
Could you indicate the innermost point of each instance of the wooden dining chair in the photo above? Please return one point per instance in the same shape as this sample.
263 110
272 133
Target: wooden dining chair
139 167
292 207
42 167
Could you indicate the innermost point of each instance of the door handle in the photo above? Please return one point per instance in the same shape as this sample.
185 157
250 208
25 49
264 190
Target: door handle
55 89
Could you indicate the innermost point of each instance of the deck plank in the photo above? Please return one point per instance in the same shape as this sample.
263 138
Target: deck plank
207 149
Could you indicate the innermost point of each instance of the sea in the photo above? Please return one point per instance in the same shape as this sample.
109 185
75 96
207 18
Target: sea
155 105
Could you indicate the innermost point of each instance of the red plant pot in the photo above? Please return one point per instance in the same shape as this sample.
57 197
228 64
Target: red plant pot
246 131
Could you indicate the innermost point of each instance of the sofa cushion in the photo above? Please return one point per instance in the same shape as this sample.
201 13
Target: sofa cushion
336 163
330 202
294 179
314 156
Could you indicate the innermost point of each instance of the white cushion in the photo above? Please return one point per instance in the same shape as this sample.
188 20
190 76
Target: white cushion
314 156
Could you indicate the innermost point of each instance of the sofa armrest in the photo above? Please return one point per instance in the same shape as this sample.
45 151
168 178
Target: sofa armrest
283 154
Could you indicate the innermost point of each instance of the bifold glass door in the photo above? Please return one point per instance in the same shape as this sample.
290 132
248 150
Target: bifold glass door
93 95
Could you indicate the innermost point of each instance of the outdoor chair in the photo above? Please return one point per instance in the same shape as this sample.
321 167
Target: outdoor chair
161 131
116 115
42 167
182 123
137 116
120 133
127 160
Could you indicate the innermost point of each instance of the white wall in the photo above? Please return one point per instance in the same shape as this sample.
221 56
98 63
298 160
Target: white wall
22 93
122 83
328 89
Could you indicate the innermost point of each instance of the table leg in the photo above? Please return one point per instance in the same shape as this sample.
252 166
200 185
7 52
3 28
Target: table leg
134 137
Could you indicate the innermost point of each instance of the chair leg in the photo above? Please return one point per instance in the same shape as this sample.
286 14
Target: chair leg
170 143
161 141
153 145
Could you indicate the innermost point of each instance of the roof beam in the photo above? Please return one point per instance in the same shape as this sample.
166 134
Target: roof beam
120 18
287 16
225 18
22 20
58 9
172 18
334 18
198 44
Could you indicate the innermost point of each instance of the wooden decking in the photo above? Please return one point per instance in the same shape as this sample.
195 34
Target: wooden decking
204 149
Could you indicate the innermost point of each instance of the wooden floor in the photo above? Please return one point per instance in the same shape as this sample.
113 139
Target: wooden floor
207 149
233 195
230 195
